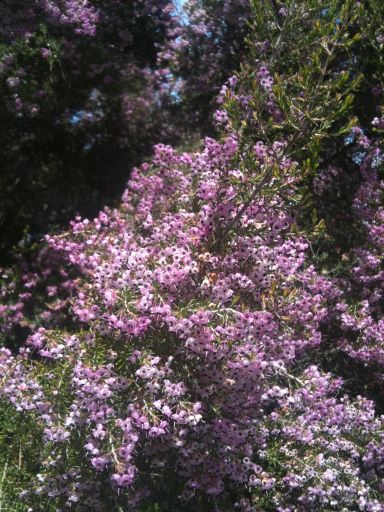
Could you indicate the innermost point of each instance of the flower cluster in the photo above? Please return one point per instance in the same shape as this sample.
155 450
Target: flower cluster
197 311
362 311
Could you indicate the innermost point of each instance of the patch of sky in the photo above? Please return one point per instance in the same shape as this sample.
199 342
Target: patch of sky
82 115
349 139
180 11
77 117
358 157
377 161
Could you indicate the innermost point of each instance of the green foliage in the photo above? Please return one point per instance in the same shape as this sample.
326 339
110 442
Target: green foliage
324 58
20 449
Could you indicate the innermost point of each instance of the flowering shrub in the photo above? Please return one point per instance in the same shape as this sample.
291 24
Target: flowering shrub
193 356
189 354
362 312
35 294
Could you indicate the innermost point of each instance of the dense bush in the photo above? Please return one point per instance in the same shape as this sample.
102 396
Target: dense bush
216 341
196 355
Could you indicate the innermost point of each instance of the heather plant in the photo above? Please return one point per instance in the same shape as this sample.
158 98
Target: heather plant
194 357
34 293
325 101
361 312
